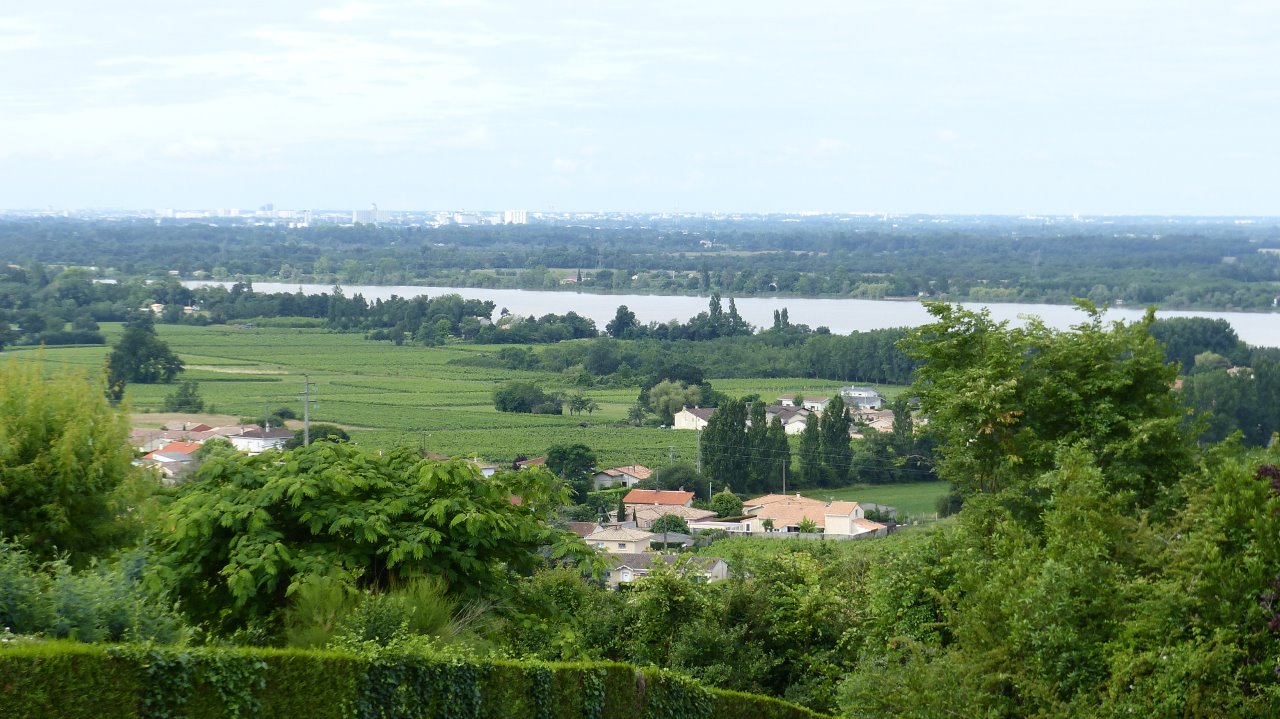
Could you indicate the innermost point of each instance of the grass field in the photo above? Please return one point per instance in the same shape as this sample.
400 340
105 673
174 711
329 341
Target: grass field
915 499
408 395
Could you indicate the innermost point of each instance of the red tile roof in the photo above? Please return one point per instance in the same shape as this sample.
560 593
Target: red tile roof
658 496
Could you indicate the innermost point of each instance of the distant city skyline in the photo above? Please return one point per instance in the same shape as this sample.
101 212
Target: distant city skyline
921 106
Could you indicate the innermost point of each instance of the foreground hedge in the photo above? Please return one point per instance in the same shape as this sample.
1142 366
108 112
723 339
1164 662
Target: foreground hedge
76 681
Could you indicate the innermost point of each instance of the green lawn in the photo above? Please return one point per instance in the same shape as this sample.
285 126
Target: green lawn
914 499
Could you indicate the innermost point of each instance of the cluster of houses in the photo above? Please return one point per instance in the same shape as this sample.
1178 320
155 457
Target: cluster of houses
172 452
632 548
794 411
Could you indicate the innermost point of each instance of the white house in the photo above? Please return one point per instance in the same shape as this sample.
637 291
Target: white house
621 476
793 418
692 418
861 397
256 441
627 568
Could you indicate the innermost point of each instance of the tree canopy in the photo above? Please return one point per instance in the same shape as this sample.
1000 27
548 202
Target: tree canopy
140 356
64 455
1004 400
249 530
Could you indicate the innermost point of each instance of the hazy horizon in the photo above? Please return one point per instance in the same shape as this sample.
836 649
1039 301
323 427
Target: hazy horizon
921 107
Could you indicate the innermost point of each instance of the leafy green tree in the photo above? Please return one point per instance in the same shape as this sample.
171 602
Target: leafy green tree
250 530
635 414
726 504
526 397
837 451
669 523
320 432
1003 400
757 443
621 515
186 398
807 526
670 396
776 457
140 356
622 324
64 462
725 456
677 475
573 463
811 469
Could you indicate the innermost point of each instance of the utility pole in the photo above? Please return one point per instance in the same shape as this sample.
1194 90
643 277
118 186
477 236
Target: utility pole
699 451
306 410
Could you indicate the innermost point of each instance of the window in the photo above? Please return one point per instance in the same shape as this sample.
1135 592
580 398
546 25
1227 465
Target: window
622 545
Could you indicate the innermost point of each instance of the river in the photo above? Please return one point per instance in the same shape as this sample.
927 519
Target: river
842 316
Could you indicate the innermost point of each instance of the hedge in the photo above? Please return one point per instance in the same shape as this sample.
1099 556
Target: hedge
80 681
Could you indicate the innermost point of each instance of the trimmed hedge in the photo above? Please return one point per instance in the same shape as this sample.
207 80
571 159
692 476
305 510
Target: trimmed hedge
79 681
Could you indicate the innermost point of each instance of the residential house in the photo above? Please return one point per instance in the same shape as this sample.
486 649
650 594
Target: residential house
620 540
813 404
692 418
256 441
646 515
584 529
881 420
844 520
637 498
621 476
793 418
173 461
535 462
627 568
861 397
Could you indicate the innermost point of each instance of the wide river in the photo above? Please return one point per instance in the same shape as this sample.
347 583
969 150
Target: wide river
842 316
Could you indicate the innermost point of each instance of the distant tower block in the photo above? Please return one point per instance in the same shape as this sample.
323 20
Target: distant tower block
515 217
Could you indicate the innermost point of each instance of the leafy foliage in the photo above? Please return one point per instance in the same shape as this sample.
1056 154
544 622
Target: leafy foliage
140 356
1003 400
573 463
320 432
525 397
64 463
186 398
726 504
251 530
100 604
669 523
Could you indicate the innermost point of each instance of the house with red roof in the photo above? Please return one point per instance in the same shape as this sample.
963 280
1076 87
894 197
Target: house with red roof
647 497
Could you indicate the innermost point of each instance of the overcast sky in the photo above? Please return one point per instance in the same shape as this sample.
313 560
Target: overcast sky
939 106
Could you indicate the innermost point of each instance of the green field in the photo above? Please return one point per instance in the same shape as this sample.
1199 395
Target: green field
917 499
408 395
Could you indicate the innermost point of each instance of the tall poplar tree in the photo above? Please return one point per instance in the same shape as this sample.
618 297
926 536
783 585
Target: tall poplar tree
837 453
725 457
758 447
812 473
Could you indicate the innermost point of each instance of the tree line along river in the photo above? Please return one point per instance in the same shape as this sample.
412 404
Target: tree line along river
842 316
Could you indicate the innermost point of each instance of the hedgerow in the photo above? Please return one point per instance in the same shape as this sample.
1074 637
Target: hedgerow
78 681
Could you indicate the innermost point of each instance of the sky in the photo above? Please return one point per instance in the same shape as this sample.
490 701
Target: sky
930 106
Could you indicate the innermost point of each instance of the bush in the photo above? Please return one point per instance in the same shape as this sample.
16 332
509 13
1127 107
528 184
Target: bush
186 398
97 605
526 397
